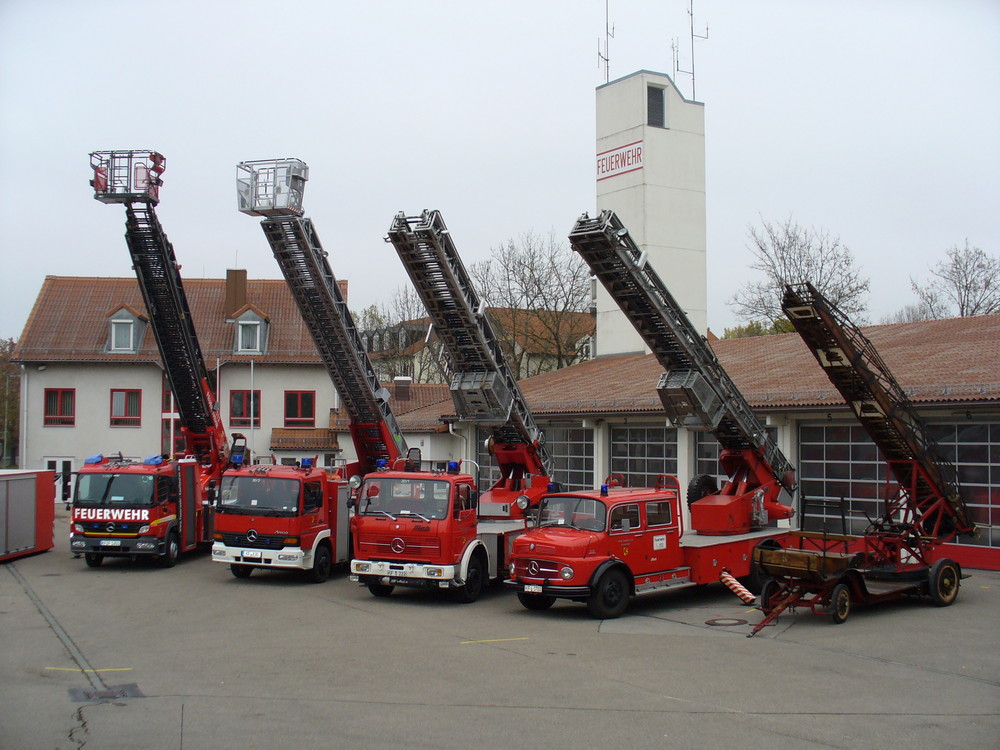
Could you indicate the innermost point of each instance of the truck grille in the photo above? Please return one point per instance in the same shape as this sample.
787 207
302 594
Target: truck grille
532 568
101 527
414 547
262 542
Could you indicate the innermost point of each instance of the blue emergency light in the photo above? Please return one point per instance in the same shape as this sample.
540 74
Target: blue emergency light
306 463
154 460
95 459
453 467
604 490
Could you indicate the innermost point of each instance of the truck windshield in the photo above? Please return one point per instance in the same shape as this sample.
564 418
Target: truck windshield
261 495
388 496
115 489
573 512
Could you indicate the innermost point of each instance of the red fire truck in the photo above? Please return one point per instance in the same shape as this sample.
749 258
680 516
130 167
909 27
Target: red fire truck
465 545
296 517
602 547
159 506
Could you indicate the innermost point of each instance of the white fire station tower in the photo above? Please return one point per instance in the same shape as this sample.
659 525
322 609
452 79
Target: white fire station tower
650 170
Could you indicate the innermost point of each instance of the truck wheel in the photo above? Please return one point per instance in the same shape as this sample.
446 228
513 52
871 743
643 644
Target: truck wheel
473 585
321 565
536 602
768 592
380 590
171 551
241 571
609 598
93 560
840 603
943 581
700 486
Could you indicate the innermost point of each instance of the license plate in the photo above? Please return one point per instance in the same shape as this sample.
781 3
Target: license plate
532 588
251 553
111 542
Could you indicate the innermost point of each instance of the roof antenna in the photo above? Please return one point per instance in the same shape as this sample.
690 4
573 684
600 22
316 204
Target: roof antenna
673 46
609 33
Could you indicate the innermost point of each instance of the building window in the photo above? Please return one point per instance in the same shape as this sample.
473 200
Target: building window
300 408
60 407
641 454
656 107
248 337
122 336
126 408
244 409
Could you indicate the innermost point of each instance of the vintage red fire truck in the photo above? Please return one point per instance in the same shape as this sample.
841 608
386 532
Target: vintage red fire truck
603 547
296 517
436 532
156 507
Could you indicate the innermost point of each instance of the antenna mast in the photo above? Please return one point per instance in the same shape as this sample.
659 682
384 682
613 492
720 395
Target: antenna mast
674 48
609 33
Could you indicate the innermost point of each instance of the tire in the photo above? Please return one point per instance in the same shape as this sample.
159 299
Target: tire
380 590
768 592
609 598
321 565
241 571
535 602
171 551
840 603
943 582
474 581
93 559
700 486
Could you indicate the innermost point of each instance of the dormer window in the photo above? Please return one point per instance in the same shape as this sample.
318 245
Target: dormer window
125 329
250 335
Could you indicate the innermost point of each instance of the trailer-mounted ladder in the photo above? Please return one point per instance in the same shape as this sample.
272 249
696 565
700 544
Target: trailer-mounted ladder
929 498
273 189
483 386
695 390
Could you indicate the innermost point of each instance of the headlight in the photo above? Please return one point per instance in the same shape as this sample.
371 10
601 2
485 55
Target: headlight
144 529
522 502
354 482
566 572
511 568
78 528
363 567
433 572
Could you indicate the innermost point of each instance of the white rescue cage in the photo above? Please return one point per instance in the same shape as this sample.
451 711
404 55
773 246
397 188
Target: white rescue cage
127 176
271 187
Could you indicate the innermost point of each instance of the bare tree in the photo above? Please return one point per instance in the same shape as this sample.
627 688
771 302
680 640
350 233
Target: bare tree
10 383
540 292
787 253
967 282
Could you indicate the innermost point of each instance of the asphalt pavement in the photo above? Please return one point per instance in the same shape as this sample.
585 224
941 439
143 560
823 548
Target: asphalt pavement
131 655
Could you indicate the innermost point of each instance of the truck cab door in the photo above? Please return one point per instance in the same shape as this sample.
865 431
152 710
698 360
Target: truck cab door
625 536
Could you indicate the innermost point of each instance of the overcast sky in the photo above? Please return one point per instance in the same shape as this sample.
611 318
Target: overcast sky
877 121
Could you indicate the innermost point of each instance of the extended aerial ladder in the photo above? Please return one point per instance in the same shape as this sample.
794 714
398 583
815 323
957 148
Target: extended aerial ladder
695 390
928 503
273 189
133 178
483 386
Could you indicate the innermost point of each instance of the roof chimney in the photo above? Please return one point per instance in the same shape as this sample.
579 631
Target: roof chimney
236 290
402 384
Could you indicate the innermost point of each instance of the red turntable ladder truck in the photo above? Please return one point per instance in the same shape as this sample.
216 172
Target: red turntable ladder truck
281 517
472 546
923 504
161 506
602 548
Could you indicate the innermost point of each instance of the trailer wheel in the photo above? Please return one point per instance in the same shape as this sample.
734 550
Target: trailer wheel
536 602
380 590
840 603
171 551
241 571
609 597
768 592
93 559
321 565
943 581
473 585
700 486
